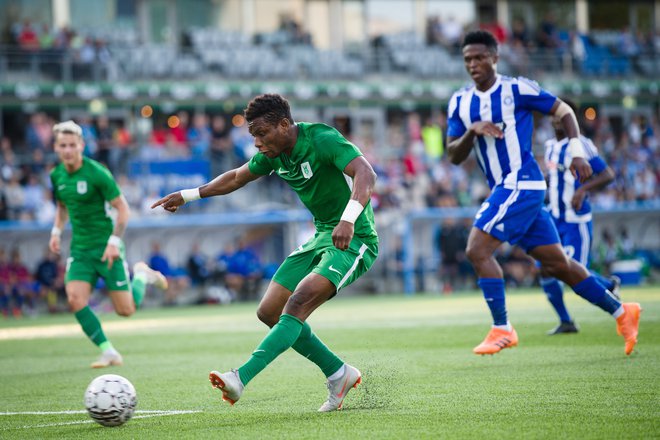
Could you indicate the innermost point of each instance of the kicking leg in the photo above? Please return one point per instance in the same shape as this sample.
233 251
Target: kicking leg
557 264
312 291
307 344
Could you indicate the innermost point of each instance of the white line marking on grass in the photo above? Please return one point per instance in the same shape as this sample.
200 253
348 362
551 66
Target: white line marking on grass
142 414
140 411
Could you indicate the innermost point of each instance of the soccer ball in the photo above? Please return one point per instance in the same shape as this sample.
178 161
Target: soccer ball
110 400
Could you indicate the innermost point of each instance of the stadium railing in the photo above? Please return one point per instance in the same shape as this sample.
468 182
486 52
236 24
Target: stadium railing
407 239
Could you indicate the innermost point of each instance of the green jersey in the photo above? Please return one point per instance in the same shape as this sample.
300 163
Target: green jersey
315 171
86 193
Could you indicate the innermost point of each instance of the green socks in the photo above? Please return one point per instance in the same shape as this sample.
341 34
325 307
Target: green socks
138 287
281 337
311 347
91 325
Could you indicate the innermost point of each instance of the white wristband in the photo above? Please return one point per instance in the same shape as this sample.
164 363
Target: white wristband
575 148
190 195
56 231
352 211
114 240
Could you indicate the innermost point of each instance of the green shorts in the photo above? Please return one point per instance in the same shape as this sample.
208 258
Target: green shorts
320 256
87 268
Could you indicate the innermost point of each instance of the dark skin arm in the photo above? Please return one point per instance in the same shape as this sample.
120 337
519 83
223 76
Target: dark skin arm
597 182
579 166
364 179
225 183
458 149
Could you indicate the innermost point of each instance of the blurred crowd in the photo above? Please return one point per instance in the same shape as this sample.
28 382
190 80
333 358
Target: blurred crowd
530 50
234 274
415 174
413 170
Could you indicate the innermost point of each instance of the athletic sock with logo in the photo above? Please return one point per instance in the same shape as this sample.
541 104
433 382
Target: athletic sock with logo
281 337
591 290
311 347
493 289
139 287
91 325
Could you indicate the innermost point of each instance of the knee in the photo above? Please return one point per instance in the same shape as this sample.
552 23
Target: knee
267 317
475 254
295 304
555 268
125 311
75 302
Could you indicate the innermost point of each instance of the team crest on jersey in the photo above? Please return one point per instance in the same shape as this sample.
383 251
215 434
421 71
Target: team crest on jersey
508 100
82 187
306 169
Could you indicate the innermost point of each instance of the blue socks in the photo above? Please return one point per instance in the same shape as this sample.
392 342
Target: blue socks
493 289
592 290
605 282
555 294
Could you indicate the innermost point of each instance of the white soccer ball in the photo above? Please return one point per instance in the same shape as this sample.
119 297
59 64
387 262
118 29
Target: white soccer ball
110 400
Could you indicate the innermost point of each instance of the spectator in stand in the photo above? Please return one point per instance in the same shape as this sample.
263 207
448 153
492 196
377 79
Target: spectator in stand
242 270
105 138
33 193
432 137
50 280
20 282
124 145
15 197
28 38
520 33
178 135
39 133
46 211
176 282
4 209
197 266
452 32
46 37
199 136
221 146
451 240
5 284
90 136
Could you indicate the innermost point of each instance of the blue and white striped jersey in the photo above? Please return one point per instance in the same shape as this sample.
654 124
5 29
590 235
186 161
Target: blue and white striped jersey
509 104
563 184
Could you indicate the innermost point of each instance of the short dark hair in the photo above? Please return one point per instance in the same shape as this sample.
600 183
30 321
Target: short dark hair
270 106
480 37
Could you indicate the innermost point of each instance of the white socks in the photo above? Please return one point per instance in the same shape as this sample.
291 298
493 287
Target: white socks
339 373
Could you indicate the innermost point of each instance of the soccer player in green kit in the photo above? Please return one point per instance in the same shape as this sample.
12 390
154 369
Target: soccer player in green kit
334 181
85 190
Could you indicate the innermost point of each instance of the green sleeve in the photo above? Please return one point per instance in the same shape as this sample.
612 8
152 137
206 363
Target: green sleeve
107 185
337 148
259 164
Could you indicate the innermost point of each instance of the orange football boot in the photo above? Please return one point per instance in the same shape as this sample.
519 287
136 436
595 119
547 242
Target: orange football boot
627 325
496 340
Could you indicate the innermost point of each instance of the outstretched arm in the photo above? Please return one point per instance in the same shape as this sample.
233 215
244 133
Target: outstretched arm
225 183
458 149
364 180
61 217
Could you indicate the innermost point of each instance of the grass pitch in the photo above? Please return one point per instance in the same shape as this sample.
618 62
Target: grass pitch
421 379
